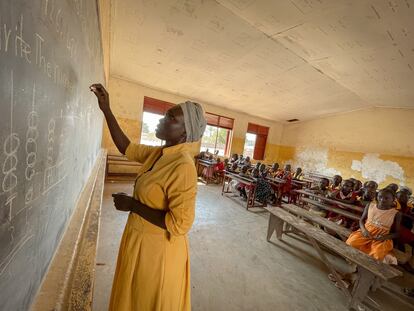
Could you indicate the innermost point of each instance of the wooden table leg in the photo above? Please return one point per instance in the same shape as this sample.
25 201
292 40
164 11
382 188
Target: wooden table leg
275 224
361 288
330 267
251 197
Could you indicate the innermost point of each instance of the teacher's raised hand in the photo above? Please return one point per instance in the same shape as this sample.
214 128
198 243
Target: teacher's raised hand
102 96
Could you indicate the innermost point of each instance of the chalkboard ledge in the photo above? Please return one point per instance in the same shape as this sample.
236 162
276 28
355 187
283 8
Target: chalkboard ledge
64 286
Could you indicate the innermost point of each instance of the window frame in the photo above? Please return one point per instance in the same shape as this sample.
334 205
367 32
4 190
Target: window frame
261 133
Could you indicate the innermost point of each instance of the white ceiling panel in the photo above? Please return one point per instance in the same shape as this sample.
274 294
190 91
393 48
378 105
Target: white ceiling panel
274 59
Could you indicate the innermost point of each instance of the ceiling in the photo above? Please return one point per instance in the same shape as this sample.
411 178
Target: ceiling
274 59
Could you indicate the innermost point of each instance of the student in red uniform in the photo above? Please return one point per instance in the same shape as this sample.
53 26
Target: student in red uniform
218 170
336 183
357 185
344 195
406 235
274 170
284 188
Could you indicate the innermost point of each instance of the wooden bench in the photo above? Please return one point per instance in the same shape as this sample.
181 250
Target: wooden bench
229 176
209 165
315 219
330 201
113 160
336 210
370 272
341 231
301 183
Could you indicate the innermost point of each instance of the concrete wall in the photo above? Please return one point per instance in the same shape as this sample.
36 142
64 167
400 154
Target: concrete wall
368 144
127 100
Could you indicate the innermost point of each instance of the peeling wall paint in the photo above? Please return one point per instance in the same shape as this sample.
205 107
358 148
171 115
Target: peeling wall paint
372 167
313 160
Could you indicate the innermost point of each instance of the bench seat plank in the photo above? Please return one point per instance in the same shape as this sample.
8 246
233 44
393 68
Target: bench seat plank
332 209
379 269
342 231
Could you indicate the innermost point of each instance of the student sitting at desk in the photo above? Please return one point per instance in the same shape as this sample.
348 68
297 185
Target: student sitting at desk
409 194
368 195
321 189
218 169
375 234
240 160
371 185
336 183
298 174
226 164
394 187
406 235
234 158
247 161
285 188
358 189
262 170
264 191
274 170
241 187
234 168
344 195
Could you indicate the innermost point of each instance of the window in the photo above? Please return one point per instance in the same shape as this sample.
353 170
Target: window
249 145
149 124
217 134
216 137
154 110
255 143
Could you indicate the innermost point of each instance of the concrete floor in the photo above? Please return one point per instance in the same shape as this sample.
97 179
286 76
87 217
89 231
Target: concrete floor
233 266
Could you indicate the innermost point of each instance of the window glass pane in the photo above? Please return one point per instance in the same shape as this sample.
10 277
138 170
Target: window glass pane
149 124
209 139
222 140
249 144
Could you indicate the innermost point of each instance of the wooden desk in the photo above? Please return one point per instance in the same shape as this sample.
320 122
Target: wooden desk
209 165
229 176
330 208
304 183
355 208
370 274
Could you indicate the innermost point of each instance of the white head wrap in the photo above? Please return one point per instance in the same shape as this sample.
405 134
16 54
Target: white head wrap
194 120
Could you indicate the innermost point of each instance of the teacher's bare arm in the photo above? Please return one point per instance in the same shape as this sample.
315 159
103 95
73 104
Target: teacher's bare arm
118 136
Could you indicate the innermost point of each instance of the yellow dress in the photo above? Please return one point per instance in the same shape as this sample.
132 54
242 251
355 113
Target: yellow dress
153 267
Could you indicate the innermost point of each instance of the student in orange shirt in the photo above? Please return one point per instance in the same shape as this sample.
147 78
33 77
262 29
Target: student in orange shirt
375 234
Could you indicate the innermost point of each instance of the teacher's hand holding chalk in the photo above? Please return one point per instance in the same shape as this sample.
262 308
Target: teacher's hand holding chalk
102 95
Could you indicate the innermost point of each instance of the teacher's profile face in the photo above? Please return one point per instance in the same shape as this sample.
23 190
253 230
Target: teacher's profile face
171 127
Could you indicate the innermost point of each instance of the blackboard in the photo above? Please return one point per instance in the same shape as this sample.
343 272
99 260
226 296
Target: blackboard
50 132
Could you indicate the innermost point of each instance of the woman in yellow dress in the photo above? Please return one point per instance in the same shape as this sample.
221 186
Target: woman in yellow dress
153 267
